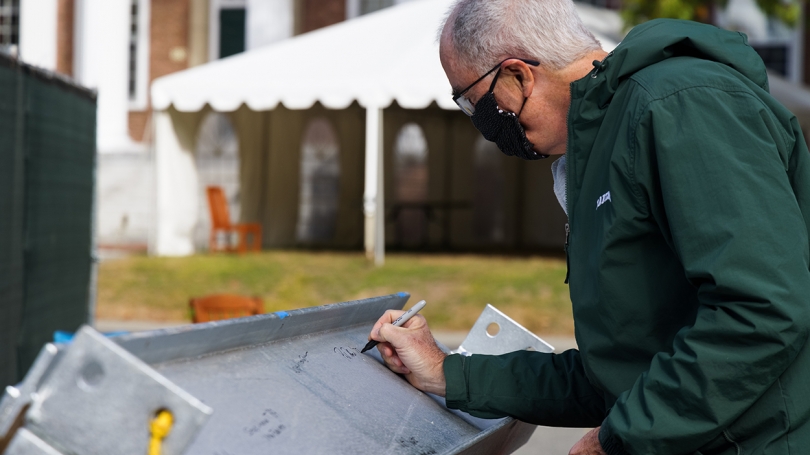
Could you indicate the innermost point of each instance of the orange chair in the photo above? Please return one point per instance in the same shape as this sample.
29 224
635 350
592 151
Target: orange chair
221 223
224 306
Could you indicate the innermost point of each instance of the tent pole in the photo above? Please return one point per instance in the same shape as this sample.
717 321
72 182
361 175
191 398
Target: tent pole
373 197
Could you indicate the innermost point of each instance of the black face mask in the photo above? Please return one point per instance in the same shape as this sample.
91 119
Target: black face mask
503 128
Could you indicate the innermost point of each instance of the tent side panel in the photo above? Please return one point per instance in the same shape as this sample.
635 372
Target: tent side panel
462 137
350 126
544 220
282 186
395 118
176 182
251 127
441 173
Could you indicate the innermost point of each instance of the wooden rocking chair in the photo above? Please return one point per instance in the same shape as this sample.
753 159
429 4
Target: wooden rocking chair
221 224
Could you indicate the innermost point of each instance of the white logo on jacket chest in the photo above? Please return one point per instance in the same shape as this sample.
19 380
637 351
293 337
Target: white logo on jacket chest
602 199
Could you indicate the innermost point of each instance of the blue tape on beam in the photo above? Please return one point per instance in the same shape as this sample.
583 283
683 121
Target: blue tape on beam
282 314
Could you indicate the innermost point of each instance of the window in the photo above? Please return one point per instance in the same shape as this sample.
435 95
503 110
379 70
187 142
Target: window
320 183
775 56
488 207
355 8
369 6
138 74
609 4
227 28
779 46
231 31
217 161
411 186
9 24
133 47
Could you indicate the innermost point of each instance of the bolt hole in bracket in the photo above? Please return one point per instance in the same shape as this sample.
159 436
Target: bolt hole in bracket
495 333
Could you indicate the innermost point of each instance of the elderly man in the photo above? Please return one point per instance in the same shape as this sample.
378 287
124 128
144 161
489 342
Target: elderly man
687 189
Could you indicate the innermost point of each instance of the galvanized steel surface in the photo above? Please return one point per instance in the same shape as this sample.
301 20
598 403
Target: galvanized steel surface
27 443
283 383
16 398
314 395
296 383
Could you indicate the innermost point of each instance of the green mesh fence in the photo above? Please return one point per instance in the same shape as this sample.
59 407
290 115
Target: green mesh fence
47 168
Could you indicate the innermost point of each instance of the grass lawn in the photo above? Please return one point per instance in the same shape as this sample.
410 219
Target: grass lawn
530 290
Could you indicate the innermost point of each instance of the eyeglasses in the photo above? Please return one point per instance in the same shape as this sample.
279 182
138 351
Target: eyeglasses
465 104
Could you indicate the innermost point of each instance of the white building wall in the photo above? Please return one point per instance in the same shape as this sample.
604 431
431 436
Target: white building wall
268 21
38 32
125 171
102 62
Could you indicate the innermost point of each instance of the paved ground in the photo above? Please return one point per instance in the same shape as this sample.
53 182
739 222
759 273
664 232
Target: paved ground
544 441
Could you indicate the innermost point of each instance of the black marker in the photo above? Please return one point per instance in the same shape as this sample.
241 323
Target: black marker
398 323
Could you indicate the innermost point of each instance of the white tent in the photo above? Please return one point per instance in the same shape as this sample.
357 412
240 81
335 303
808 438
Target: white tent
375 60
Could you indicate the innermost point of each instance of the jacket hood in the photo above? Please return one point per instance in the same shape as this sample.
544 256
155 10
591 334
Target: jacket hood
661 39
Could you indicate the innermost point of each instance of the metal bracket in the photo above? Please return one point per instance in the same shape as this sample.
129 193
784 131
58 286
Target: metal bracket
16 400
97 398
495 333
27 443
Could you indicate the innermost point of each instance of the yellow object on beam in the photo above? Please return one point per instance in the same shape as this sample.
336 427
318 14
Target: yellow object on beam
159 429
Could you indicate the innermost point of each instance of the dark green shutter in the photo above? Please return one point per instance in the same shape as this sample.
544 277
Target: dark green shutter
231 32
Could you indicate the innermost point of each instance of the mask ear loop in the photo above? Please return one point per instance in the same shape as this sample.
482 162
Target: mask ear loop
522 105
492 90
494 81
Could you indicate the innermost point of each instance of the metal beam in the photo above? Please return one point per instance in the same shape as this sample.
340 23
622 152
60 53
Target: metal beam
284 383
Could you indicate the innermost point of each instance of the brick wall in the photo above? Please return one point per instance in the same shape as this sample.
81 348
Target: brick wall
137 124
169 40
320 13
64 36
168 51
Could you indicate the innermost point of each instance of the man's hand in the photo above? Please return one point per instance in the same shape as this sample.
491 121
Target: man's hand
588 445
411 350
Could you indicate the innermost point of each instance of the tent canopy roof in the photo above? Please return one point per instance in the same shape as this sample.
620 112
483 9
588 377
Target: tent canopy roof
375 59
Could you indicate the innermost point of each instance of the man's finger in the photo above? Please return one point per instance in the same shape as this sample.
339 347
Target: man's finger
387 318
393 334
386 350
391 359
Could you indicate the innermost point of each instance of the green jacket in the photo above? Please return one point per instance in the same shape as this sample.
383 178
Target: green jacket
689 208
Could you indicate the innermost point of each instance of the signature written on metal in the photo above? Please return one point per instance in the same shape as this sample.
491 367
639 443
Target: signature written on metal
269 425
299 364
348 353
413 443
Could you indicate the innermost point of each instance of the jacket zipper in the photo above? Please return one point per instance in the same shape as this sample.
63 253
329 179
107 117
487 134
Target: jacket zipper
567 179
567 233
568 172
568 169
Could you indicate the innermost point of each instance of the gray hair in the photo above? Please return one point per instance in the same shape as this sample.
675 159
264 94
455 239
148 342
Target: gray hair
485 32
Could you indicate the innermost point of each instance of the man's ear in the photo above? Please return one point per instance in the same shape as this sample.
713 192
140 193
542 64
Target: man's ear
522 73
